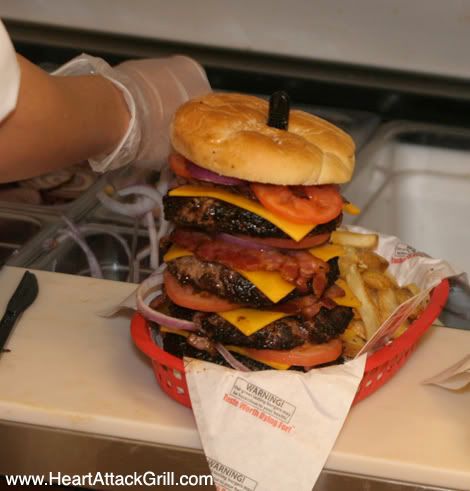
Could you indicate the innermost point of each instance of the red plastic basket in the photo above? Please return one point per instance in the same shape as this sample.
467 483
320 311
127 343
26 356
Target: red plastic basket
380 366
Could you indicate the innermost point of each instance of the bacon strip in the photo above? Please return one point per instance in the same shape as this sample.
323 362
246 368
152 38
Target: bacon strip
307 306
296 267
334 291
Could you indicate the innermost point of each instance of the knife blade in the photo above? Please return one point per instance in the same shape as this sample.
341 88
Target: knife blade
25 294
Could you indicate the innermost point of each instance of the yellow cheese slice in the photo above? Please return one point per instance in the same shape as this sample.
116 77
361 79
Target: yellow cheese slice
271 283
174 252
236 349
294 230
349 299
249 321
351 209
243 351
327 252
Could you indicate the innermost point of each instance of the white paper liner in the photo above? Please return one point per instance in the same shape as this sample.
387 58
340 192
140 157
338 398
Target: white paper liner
270 430
455 377
407 264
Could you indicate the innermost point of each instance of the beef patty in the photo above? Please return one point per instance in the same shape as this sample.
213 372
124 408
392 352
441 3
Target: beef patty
217 279
283 334
215 216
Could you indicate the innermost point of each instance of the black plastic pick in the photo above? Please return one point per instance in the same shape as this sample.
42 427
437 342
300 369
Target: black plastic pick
279 106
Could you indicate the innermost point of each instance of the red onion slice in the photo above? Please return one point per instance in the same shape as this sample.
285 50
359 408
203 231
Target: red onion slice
140 256
137 209
144 293
95 269
143 190
250 244
153 238
230 359
206 175
85 231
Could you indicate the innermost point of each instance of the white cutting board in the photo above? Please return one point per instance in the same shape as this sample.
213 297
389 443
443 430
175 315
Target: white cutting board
72 369
69 368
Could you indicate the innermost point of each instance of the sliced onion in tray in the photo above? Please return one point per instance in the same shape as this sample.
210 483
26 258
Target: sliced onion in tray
152 285
164 182
95 269
143 190
86 231
137 209
209 176
153 238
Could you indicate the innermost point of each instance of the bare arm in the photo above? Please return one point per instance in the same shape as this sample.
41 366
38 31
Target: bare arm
59 121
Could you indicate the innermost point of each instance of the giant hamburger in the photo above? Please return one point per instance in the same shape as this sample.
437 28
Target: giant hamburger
250 279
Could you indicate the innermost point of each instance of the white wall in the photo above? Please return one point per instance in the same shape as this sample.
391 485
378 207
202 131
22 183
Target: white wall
430 36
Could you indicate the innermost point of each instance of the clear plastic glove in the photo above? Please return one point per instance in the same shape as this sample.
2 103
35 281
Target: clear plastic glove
153 89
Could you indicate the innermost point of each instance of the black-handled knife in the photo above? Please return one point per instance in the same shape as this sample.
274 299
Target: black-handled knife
25 294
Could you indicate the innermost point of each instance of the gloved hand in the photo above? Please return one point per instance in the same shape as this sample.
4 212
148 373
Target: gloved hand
153 89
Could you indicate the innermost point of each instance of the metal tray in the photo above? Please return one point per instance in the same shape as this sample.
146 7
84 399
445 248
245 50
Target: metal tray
18 231
413 181
69 258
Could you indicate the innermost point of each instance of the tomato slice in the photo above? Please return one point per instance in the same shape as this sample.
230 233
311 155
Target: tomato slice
307 355
320 204
185 296
305 243
178 165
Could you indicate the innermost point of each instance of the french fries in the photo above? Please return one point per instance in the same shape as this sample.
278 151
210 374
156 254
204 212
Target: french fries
387 303
371 260
377 280
353 239
353 338
367 309
403 294
378 293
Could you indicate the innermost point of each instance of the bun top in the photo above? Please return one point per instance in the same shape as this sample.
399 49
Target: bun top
228 134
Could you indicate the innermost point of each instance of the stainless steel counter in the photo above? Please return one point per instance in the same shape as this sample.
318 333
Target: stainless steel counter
29 449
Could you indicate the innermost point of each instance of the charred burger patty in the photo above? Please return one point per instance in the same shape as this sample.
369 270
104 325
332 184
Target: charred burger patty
226 283
216 216
282 334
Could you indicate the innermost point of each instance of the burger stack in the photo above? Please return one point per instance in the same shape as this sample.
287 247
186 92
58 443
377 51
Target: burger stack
248 263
